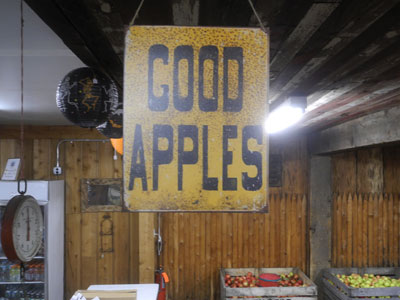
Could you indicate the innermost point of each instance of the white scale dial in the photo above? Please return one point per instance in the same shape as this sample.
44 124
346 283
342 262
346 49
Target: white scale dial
27 230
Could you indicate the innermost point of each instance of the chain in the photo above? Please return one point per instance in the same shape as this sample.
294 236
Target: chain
22 175
257 16
136 13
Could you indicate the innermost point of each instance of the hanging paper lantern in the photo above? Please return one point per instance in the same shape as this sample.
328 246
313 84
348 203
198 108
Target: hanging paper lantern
86 97
112 128
118 145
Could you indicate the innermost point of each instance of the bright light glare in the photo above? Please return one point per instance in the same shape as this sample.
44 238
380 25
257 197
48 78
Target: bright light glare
282 118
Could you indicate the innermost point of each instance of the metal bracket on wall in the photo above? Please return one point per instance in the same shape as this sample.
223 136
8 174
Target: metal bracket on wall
57 170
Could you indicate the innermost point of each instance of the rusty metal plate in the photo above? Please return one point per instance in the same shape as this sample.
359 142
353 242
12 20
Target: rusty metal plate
195 101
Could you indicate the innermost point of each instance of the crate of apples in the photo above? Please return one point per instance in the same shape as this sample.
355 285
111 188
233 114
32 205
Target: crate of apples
291 279
368 281
248 280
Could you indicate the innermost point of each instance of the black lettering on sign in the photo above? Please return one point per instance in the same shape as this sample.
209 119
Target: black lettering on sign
209 183
183 103
138 169
233 53
252 158
187 157
211 53
229 132
157 103
161 157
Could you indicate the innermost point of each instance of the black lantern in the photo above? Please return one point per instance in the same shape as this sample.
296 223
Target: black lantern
86 97
113 127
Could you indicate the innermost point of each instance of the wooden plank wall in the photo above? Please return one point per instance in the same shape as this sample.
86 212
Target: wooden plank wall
197 245
365 229
84 264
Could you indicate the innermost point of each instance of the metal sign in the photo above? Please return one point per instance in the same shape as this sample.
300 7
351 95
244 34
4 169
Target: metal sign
195 101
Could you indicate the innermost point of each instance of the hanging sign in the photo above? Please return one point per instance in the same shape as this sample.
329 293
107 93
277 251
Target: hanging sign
195 101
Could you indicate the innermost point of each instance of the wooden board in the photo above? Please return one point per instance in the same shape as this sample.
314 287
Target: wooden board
234 240
182 261
365 230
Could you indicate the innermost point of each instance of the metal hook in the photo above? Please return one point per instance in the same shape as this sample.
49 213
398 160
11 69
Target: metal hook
19 186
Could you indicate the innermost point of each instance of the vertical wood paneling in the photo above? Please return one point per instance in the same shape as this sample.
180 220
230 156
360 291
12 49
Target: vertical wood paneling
134 247
391 167
344 172
369 171
105 261
206 242
8 149
365 230
72 254
90 223
196 245
41 162
73 175
349 225
83 262
89 249
121 248
374 244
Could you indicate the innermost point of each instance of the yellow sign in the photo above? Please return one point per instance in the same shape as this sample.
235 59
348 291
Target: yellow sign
195 101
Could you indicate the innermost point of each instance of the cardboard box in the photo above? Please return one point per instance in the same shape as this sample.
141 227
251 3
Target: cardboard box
108 295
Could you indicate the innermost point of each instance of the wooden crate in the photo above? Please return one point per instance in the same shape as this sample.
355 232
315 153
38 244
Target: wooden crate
334 289
308 292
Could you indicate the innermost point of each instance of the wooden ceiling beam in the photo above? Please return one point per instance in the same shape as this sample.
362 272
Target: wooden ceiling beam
356 102
282 18
50 13
73 23
86 25
316 15
373 69
380 127
113 18
357 17
358 106
383 104
230 13
186 12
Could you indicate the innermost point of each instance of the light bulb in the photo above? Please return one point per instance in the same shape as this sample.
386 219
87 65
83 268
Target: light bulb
282 118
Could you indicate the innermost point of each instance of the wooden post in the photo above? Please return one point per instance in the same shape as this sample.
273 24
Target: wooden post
320 215
147 251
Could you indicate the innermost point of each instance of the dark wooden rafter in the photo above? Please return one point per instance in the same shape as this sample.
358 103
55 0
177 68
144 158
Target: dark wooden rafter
80 32
387 80
114 17
356 19
281 17
232 13
316 15
86 25
370 95
108 15
371 68
342 54
49 12
383 104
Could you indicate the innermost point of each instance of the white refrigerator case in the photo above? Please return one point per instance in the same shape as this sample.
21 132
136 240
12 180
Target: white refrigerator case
50 195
